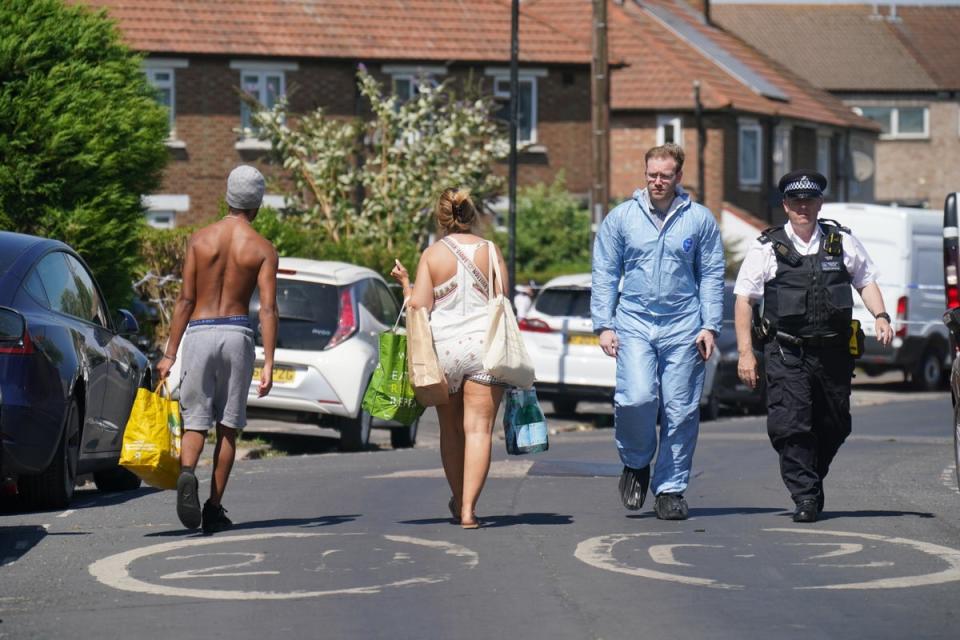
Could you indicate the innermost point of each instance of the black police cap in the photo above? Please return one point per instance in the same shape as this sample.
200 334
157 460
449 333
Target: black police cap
803 183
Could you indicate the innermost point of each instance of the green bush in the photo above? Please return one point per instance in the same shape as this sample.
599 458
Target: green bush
553 233
81 135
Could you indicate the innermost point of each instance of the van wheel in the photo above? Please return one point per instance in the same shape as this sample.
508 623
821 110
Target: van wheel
928 374
53 488
355 432
404 437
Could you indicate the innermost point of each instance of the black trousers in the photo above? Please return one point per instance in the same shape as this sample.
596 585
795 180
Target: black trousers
808 411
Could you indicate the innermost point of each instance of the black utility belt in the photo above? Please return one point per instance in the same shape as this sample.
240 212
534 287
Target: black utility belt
835 341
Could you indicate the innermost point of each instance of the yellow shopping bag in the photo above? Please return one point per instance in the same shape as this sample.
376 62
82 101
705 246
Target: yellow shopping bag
151 441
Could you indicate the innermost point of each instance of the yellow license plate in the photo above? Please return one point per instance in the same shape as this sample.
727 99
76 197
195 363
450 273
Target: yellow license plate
280 374
583 338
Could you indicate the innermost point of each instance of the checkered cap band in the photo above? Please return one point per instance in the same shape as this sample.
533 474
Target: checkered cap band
803 184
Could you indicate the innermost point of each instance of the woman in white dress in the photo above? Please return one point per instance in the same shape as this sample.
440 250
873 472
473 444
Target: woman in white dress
452 285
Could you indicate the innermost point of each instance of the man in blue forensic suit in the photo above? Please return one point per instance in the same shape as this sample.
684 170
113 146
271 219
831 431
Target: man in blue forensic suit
660 327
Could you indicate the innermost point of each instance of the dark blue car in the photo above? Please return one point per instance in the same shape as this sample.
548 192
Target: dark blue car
68 374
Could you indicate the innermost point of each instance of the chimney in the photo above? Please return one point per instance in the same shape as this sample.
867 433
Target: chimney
703 6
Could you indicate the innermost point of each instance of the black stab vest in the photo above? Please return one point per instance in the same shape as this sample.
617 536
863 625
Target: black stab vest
810 295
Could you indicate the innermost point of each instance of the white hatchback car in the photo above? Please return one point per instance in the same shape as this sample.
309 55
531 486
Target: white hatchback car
570 365
331 316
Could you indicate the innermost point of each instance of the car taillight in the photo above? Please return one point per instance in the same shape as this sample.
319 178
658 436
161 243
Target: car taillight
23 346
901 319
347 322
534 325
951 252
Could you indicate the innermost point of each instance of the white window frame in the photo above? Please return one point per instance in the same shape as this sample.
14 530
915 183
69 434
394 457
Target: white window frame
151 68
743 126
163 204
526 76
782 150
262 70
674 122
824 156
415 75
895 133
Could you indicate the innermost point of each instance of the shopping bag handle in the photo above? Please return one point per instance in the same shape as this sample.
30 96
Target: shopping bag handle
403 307
164 384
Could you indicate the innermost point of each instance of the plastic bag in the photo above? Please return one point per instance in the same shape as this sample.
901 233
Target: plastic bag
524 427
151 439
390 395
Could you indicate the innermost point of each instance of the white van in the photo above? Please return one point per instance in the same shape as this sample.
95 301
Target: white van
907 246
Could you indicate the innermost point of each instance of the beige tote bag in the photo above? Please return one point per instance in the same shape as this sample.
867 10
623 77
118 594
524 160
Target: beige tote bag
429 382
506 357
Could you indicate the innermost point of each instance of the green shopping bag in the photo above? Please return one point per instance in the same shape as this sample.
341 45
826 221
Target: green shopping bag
390 394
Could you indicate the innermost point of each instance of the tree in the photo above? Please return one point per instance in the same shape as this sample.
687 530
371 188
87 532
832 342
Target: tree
553 232
400 159
81 135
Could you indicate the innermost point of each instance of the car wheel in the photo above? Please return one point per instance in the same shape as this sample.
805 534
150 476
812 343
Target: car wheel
404 437
564 406
116 479
355 432
929 371
53 488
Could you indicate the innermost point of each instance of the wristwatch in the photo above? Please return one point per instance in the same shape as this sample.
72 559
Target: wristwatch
884 315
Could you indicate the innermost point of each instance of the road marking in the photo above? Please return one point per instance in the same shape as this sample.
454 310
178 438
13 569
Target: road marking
843 548
66 513
598 552
948 555
114 570
7 561
498 469
663 553
949 478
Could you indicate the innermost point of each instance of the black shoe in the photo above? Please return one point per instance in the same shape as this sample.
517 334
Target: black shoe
215 518
671 506
633 487
188 504
820 502
806 511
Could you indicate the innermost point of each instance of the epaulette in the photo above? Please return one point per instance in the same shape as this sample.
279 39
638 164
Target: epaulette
782 249
827 222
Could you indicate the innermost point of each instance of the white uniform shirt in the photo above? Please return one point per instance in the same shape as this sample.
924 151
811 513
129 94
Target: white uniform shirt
760 264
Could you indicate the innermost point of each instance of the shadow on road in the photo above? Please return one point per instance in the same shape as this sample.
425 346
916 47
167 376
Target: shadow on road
706 512
18 540
505 520
867 513
306 523
295 444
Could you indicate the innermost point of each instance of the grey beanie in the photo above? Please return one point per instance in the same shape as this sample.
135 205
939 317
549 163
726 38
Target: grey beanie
245 188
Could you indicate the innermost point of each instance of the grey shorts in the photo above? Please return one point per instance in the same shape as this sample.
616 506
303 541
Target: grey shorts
216 370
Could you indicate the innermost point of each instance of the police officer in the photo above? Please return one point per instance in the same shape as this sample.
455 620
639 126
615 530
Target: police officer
803 271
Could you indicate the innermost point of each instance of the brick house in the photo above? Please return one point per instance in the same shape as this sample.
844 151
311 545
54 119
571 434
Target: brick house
895 64
760 119
200 54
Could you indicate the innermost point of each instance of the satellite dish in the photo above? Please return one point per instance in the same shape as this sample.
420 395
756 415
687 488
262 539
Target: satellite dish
863 166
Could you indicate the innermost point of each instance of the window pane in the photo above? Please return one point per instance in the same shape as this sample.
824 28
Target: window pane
91 306
823 155
749 146
161 76
59 284
910 120
274 91
403 88
525 124
564 302
308 314
880 115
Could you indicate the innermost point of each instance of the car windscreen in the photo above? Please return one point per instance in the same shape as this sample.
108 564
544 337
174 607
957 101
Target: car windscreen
308 314
559 301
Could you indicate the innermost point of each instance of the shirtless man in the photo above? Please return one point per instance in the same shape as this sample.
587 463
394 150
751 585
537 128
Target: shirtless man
224 262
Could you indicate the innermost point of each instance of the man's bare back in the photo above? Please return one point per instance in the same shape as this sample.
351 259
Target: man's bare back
225 261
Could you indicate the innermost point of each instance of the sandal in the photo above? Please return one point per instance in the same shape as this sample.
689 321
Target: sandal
452 505
476 524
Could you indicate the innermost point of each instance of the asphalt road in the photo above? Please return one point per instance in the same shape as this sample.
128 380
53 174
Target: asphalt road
360 545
